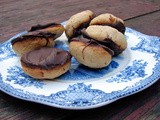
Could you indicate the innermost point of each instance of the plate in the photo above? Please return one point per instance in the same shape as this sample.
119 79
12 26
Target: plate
81 88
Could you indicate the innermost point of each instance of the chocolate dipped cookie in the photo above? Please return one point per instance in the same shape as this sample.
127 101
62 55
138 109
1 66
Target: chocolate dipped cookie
107 36
38 36
108 19
77 22
46 63
90 53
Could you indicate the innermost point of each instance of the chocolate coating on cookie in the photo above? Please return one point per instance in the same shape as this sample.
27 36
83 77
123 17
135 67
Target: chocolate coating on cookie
117 25
107 36
109 20
39 26
110 44
34 35
45 58
92 42
77 32
107 44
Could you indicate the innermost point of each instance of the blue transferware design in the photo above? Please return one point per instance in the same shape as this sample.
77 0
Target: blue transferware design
135 33
19 77
0 76
136 70
6 51
88 94
149 45
80 72
75 95
81 95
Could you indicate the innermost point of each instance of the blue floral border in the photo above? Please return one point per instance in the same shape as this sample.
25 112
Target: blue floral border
87 97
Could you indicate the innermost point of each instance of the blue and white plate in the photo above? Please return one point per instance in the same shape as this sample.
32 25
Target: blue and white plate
137 68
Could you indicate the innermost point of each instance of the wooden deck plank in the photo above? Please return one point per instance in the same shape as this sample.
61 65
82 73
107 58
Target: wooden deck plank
141 24
147 24
14 108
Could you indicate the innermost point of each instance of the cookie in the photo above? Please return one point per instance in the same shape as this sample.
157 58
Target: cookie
90 53
77 22
46 63
109 20
107 36
38 36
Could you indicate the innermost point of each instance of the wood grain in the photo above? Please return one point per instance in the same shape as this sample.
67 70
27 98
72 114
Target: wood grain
142 15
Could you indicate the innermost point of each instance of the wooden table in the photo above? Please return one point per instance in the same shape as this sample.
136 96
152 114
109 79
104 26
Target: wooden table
141 15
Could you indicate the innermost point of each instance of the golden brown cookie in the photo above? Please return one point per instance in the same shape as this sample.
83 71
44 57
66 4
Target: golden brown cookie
77 22
107 36
38 36
46 63
90 53
110 20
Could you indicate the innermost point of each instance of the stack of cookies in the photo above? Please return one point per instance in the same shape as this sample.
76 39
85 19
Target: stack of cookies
94 40
38 57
